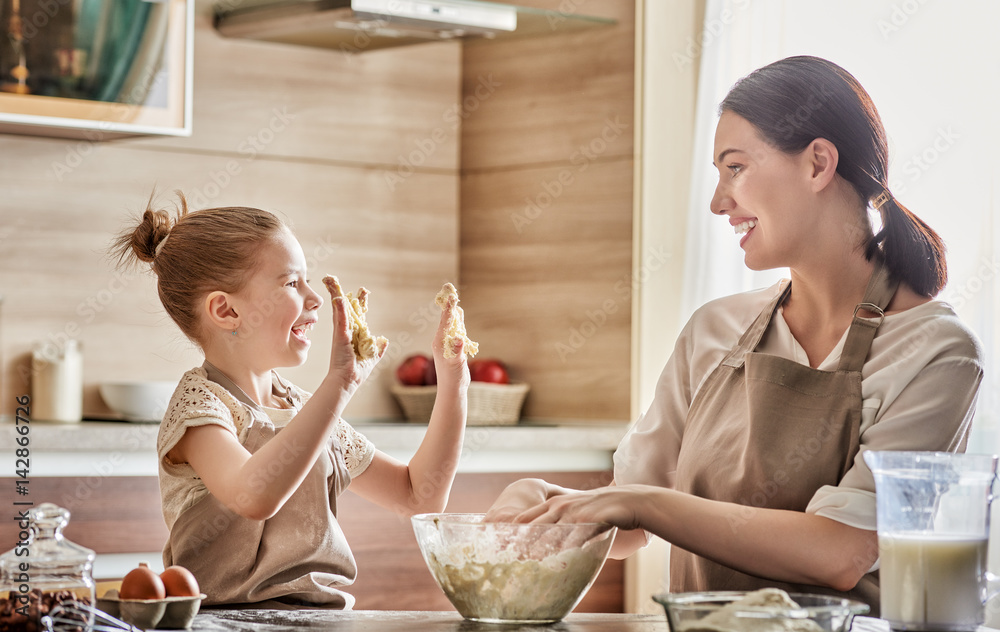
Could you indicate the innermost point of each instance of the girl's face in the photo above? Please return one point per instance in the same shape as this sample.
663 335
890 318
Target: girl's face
277 307
763 192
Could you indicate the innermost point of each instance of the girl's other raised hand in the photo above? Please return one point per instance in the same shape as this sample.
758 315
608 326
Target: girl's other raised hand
450 371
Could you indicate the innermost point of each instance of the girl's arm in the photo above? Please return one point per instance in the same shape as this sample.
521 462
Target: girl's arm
256 486
788 546
423 485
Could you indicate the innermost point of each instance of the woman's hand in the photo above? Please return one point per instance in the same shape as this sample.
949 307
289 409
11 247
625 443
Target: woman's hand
450 371
344 365
519 497
614 505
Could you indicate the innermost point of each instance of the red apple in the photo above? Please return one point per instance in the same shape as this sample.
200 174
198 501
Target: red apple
413 369
430 374
488 371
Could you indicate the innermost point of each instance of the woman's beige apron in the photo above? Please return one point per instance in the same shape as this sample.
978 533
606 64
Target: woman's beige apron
765 431
298 557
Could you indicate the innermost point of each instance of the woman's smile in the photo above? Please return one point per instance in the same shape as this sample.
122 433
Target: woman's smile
743 226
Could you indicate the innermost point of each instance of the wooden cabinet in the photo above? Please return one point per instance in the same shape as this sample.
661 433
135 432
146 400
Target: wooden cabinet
122 515
95 71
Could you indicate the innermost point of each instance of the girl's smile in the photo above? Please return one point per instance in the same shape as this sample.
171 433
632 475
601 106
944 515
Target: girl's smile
299 331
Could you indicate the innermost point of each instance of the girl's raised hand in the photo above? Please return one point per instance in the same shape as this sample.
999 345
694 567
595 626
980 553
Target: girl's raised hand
344 364
450 371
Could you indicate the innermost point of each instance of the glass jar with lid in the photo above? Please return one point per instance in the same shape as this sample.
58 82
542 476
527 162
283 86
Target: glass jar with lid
44 570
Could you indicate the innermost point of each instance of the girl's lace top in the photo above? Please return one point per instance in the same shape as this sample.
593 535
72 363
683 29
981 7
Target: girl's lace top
198 401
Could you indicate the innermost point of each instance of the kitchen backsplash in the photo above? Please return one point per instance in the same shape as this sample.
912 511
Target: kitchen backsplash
505 166
310 134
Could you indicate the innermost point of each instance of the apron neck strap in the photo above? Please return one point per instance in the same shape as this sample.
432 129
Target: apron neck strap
879 292
881 288
751 337
213 373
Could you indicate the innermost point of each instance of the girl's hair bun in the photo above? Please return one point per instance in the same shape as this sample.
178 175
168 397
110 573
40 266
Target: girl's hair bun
150 233
139 242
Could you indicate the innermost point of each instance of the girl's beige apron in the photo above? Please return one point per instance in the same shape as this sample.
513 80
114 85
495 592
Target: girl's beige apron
298 557
765 431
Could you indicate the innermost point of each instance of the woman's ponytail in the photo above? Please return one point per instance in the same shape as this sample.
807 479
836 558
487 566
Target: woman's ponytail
912 251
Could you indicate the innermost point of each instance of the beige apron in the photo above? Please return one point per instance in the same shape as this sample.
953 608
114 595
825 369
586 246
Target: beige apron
765 431
298 557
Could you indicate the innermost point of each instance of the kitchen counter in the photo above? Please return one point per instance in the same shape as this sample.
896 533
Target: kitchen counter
392 621
219 620
114 448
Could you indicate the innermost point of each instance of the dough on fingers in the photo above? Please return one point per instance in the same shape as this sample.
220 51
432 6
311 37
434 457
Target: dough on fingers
456 329
365 345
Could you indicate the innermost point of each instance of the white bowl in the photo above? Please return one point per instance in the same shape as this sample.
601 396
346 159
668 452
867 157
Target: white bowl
138 401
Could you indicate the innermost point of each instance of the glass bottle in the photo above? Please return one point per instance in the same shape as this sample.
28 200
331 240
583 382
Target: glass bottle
13 56
45 570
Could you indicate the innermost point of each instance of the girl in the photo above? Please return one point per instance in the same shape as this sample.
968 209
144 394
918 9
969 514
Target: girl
749 458
250 465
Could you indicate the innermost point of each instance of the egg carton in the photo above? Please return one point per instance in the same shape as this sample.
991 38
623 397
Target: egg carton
170 613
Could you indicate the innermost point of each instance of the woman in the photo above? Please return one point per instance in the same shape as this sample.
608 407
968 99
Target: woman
749 458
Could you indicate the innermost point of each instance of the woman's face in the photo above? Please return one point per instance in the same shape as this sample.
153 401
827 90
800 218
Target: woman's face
763 192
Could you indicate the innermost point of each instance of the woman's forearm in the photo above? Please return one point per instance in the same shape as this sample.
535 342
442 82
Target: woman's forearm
789 546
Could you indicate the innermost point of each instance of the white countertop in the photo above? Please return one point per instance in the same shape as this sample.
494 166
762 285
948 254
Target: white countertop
113 448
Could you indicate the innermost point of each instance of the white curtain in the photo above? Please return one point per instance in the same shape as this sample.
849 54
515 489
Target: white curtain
933 70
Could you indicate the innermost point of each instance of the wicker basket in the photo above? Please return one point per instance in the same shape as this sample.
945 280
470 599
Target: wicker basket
489 404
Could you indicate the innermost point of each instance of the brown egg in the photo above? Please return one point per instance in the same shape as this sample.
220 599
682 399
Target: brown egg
142 583
180 582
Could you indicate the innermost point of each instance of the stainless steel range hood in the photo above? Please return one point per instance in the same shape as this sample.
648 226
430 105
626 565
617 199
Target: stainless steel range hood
361 25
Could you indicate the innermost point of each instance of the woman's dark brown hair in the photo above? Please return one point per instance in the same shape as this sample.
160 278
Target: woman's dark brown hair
195 253
799 99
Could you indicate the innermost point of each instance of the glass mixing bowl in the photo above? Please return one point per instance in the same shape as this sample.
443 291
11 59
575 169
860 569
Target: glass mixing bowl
502 572
714 611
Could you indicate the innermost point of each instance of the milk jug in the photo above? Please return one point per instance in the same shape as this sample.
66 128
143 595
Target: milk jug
57 382
933 511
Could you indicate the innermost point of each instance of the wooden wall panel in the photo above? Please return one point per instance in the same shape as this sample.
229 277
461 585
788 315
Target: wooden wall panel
546 212
328 128
552 295
550 98
347 221
368 108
